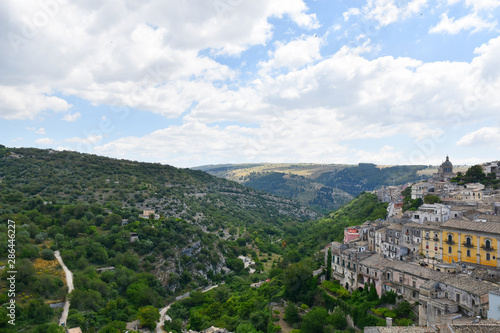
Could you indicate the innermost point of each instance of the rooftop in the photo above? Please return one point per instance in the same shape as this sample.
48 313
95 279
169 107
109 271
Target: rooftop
464 224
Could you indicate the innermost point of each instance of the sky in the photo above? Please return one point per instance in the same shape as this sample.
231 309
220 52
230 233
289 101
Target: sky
197 82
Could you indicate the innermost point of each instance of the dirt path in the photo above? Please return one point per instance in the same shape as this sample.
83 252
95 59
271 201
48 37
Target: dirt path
285 327
69 283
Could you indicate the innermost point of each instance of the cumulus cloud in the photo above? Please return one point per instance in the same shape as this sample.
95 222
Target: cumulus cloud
386 12
72 117
144 55
92 139
25 102
478 5
313 112
45 141
295 54
486 136
41 130
471 22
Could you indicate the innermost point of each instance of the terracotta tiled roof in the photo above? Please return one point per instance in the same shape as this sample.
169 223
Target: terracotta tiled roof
487 227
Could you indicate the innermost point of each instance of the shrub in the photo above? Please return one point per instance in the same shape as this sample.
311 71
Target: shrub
47 254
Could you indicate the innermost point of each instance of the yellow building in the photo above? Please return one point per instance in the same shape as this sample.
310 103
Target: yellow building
470 241
431 240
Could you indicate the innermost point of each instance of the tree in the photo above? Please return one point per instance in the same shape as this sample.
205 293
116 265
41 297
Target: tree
475 174
291 314
47 254
149 316
403 310
245 328
38 312
338 320
431 199
174 325
314 321
299 282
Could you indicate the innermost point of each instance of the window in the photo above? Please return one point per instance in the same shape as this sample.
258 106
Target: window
450 238
414 284
426 234
449 249
400 279
375 274
488 256
458 298
487 244
426 245
388 276
468 253
468 241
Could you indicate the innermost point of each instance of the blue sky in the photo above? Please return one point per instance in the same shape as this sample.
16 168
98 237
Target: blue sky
199 82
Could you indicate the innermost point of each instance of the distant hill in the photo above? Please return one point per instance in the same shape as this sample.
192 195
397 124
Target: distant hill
69 177
323 187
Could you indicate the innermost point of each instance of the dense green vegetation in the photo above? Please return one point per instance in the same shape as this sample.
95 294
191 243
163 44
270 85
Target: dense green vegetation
365 207
475 174
63 201
408 202
69 177
367 177
322 187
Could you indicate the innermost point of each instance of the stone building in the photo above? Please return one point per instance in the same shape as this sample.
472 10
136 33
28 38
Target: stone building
445 171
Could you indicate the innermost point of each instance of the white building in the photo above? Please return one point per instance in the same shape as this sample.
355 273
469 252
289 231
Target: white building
420 190
393 251
434 213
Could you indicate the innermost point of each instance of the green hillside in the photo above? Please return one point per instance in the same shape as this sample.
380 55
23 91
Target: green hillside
87 207
322 187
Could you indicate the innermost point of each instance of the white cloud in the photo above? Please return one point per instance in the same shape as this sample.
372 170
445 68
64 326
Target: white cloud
295 54
25 102
469 22
386 12
351 12
486 136
45 141
144 55
478 5
41 130
72 117
91 139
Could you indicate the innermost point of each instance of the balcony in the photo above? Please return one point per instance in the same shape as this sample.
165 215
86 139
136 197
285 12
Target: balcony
436 239
427 237
489 249
469 245
449 242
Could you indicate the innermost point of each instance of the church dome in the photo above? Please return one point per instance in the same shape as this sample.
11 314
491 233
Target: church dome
447 162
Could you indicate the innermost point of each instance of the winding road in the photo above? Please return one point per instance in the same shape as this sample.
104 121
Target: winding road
69 283
163 317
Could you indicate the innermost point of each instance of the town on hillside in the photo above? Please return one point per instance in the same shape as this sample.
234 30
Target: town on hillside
439 249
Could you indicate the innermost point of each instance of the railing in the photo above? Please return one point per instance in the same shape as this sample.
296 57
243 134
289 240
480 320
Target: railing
489 249
450 242
468 245
436 239
427 237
